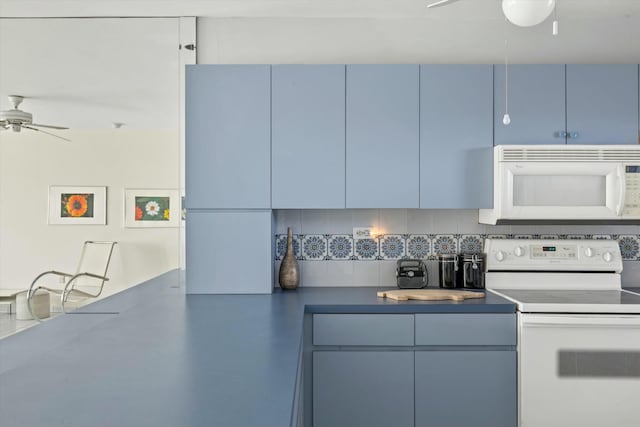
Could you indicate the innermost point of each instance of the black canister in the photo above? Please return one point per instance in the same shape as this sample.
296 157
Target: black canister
473 271
448 270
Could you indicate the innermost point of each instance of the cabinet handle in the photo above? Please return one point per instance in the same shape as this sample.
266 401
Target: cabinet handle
560 134
573 135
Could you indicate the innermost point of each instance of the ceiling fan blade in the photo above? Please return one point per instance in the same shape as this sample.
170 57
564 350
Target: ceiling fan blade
44 131
48 126
440 3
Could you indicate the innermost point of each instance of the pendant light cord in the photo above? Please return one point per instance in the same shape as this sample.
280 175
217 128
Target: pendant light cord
506 76
506 119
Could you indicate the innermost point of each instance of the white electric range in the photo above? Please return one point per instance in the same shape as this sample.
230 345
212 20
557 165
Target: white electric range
578 331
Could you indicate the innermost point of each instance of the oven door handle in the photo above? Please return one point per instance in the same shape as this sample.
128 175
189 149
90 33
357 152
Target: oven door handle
595 320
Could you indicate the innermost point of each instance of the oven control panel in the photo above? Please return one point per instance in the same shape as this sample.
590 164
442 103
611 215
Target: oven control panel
553 255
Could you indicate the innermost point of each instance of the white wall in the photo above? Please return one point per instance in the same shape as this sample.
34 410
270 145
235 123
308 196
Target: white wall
31 162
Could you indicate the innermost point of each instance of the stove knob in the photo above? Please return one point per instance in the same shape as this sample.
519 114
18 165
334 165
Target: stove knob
500 256
607 256
589 252
518 251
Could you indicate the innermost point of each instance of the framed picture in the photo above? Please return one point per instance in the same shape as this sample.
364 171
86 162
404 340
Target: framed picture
151 208
77 205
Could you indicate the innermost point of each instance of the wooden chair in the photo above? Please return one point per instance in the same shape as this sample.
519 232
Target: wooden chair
87 282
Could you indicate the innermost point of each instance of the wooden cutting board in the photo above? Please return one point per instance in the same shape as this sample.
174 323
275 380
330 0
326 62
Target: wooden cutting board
429 294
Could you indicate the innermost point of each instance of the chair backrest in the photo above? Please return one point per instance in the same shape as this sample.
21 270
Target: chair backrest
94 259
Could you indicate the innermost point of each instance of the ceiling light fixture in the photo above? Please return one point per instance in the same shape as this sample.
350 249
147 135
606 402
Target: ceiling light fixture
554 30
527 13
523 13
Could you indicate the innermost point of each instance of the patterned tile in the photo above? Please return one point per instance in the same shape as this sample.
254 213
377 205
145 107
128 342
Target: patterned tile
496 236
629 246
549 236
281 246
319 247
392 246
525 236
366 249
470 243
445 244
314 247
418 246
577 236
602 237
340 247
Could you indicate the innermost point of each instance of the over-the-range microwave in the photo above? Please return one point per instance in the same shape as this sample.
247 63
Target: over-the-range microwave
564 183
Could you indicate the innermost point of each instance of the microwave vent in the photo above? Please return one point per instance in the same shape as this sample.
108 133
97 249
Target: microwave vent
569 154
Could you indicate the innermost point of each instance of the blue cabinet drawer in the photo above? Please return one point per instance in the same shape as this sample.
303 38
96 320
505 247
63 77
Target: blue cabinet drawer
466 329
363 329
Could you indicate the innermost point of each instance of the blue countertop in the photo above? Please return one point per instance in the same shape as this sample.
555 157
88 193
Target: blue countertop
151 356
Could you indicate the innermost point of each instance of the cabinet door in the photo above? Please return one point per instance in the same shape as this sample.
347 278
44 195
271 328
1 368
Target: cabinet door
229 252
228 142
536 104
308 141
602 103
382 136
456 136
466 388
363 388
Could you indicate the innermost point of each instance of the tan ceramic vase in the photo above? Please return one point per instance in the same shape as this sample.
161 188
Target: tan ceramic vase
289 276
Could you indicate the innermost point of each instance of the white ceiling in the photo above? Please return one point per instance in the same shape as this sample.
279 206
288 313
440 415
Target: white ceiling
464 10
89 73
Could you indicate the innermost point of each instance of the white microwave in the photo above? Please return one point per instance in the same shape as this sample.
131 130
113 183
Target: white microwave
564 182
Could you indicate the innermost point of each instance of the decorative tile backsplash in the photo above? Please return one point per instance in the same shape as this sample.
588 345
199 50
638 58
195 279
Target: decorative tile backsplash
336 247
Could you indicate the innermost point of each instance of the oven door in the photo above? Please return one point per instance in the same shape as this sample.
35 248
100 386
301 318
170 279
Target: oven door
561 190
579 370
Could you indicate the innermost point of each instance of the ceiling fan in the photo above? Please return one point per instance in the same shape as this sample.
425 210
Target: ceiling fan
16 119
523 13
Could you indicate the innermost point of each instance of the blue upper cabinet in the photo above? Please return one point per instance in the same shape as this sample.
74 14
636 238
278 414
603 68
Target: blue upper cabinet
228 144
456 136
308 139
602 104
536 104
382 136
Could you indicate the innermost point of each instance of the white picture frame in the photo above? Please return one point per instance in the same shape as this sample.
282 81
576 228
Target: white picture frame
151 208
77 205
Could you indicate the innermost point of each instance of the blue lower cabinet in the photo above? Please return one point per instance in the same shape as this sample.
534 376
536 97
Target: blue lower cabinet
229 252
363 389
465 388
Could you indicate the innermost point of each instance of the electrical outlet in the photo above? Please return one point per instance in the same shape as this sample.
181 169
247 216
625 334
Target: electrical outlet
362 232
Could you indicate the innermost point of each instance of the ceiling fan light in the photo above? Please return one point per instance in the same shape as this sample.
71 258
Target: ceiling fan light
527 13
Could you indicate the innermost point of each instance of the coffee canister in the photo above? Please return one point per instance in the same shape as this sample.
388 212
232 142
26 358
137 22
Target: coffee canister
448 270
472 266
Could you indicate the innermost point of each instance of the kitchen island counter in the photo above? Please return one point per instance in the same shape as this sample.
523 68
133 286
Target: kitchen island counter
152 356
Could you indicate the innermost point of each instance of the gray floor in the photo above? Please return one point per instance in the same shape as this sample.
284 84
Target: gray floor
9 325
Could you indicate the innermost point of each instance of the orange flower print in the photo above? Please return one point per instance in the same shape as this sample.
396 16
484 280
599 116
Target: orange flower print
138 213
77 205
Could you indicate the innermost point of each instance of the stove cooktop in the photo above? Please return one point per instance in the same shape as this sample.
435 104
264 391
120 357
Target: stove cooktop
573 301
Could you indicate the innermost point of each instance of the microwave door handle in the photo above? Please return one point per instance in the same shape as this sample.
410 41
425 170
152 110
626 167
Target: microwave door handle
622 190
